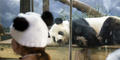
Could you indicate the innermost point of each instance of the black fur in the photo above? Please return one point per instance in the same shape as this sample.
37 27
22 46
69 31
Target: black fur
60 33
58 20
48 18
20 24
53 37
82 28
110 31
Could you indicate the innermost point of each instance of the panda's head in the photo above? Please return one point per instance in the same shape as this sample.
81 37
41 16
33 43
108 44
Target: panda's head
59 32
30 29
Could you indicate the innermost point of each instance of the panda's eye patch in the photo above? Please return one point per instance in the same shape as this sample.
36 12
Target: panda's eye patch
53 38
60 33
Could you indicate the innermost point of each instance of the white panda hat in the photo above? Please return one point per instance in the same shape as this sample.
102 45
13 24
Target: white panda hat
35 34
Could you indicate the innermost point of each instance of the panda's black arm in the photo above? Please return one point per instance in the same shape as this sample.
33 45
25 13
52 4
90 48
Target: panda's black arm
92 38
104 32
90 35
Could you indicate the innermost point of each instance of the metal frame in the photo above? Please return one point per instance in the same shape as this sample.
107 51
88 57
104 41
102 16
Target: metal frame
70 25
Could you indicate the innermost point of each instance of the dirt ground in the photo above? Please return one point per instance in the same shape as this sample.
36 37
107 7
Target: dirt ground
61 53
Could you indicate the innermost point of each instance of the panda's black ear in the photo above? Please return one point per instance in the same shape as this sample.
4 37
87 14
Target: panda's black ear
58 20
48 18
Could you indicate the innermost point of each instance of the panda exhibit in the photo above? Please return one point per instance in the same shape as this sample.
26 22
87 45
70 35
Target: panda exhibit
87 32
30 34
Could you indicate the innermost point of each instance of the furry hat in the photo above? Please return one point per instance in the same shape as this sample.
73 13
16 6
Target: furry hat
29 30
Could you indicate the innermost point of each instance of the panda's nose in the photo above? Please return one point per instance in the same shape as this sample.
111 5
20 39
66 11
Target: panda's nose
20 24
59 41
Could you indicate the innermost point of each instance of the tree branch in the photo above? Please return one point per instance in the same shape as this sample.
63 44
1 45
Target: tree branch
83 8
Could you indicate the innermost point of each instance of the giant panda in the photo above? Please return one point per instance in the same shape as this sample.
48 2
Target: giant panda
88 32
83 34
30 34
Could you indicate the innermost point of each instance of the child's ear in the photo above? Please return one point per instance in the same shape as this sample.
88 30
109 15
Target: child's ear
48 18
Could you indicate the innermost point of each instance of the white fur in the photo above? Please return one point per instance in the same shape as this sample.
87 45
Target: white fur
115 55
64 27
96 23
37 33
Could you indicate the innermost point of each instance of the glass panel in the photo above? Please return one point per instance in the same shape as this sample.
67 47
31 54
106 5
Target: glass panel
108 38
91 41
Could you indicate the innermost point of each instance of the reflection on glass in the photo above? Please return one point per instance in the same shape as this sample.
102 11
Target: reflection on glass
93 37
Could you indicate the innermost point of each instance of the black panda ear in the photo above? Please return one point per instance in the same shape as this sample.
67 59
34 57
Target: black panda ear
48 18
58 20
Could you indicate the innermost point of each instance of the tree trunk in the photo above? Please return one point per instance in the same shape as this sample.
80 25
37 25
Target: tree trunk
32 5
24 6
45 5
83 8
